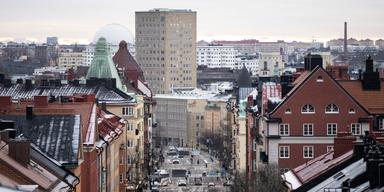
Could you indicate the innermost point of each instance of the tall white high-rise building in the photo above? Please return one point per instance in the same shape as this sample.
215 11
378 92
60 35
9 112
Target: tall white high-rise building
166 48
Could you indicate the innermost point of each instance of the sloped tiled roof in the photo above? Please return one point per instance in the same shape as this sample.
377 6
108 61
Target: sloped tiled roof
124 60
102 93
373 101
58 136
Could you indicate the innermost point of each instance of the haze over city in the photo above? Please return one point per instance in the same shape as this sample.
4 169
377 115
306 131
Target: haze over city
76 21
192 95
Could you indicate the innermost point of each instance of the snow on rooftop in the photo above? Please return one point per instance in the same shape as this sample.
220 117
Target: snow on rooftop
194 93
292 180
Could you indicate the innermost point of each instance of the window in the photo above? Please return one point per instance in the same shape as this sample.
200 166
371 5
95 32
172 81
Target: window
307 108
128 111
254 145
351 111
284 129
288 111
331 108
121 160
381 123
356 129
284 151
254 165
320 79
307 129
331 128
308 151
329 148
129 126
130 143
121 178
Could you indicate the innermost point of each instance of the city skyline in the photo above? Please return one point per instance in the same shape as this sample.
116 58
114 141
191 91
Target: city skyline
76 22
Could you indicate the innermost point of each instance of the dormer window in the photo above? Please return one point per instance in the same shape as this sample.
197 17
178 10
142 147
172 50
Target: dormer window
288 111
308 108
320 79
332 108
351 111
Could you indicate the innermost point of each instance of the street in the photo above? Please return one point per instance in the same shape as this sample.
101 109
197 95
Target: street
197 170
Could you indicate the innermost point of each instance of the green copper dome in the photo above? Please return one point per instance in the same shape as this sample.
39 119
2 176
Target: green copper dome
102 65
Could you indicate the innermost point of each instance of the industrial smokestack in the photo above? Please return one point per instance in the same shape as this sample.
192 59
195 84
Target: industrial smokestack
345 43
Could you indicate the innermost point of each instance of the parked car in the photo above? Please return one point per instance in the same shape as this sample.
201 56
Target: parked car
198 181
175 161
182 182
165 182
211 184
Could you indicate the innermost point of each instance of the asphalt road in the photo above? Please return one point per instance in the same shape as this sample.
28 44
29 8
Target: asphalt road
201 163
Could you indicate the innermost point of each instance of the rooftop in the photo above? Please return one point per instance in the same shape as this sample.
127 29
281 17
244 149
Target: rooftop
372 100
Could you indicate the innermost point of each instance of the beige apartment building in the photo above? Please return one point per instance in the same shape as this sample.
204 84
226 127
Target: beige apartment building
70 59
133 114
189 116
166 48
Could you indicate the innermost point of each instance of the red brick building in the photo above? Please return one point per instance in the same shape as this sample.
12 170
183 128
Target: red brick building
304 124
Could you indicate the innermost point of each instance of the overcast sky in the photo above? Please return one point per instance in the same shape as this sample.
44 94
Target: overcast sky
266 20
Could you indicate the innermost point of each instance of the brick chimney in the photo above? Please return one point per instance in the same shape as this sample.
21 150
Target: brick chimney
5 102
19 150
40 101
343 143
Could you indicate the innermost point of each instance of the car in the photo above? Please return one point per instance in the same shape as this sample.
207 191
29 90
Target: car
155 189
175 161
228 183
211 184
181 156
182 182
198 181
165 182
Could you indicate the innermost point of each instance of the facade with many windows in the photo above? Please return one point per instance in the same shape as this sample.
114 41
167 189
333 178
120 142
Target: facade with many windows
304 125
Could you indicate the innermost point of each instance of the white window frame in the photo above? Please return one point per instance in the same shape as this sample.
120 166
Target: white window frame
254 145
330 148
306 109
130 126
320 78
254 164
288 111
284 152
284 129
127 111
356 128
308 125
329 127
310 152
351 111
332 109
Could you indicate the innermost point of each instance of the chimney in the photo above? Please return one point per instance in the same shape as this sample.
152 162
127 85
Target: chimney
343 143
7 83
90 98
369 64
2 77
312 61
381 175
103 106
7 134
19 150
28 84
345 43
371 79
29 112
5 102
40 101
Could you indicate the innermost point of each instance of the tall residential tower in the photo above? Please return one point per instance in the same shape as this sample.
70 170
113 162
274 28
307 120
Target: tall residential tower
166 48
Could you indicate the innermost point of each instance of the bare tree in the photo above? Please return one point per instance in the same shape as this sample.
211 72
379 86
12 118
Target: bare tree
266 178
